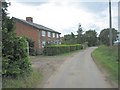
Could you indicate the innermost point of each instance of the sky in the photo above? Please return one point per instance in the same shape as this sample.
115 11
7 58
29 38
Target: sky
65 16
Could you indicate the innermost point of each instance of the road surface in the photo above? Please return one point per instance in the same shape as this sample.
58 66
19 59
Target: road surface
80 71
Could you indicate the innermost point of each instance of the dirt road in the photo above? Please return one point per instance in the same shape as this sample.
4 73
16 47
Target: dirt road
79 71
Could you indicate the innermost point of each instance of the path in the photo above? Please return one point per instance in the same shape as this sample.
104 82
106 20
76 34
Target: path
79 71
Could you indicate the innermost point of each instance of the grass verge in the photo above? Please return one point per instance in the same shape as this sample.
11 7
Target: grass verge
30 81
107 58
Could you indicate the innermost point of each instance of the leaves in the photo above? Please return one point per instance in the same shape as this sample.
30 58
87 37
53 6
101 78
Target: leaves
104 36
60 49
15 60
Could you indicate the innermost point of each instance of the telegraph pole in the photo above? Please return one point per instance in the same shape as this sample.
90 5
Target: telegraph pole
110 24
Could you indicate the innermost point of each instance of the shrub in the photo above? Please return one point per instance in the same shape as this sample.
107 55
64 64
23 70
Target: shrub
59 49
15 56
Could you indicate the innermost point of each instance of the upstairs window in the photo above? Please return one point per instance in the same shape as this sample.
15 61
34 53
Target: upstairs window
53 35
49 34
43 33
57 35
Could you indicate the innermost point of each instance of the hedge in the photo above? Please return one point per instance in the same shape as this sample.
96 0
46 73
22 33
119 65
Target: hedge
60 49
15 61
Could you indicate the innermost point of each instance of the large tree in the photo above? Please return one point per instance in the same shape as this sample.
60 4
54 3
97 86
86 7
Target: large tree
91 37
104 36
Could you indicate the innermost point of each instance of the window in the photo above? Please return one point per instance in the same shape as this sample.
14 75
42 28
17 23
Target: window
49 34
57 35
53 35
43 33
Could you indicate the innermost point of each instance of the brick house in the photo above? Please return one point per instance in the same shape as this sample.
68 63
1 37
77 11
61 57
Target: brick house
38 33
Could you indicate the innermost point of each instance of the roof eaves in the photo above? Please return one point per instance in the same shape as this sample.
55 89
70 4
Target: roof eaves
39 27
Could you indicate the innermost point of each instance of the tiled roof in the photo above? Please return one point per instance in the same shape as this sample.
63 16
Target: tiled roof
40 27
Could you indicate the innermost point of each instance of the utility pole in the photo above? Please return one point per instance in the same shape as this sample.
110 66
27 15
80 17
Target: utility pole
110 24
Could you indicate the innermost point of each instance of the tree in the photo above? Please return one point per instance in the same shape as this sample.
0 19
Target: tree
80 31
69 39
15 61
91 37
104 36
80 36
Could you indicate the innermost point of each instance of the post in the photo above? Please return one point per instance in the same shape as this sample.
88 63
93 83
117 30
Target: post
0 45
119 44
110 24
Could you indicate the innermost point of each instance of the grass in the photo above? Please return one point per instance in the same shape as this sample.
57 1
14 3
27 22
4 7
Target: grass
107 58
23 82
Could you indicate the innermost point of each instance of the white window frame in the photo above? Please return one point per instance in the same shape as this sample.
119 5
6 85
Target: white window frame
43 33
57 35
49 34
53 35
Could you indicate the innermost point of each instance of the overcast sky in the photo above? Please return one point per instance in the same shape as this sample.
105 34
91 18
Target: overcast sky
64 16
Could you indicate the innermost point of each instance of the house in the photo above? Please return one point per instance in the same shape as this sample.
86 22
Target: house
38 33
117 42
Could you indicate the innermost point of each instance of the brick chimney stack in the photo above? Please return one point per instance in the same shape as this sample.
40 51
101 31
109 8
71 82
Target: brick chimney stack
29 19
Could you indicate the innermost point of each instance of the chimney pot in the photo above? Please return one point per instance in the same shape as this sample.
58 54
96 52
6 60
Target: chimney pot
29 19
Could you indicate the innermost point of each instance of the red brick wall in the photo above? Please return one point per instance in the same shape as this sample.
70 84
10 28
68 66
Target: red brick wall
27 31
32 33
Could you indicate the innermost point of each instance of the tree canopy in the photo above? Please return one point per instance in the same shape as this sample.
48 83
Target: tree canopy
104 36
91 37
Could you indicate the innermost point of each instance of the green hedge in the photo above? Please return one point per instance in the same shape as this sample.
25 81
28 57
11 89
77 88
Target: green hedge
59 49
15 61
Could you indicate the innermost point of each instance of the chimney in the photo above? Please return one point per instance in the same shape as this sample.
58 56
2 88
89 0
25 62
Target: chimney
29 19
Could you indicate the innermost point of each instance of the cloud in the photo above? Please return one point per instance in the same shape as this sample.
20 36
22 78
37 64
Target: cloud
64 16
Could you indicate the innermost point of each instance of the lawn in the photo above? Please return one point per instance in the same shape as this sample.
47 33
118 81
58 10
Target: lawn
107 58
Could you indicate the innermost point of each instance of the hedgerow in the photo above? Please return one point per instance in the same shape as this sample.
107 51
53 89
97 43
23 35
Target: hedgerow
15 60
51 50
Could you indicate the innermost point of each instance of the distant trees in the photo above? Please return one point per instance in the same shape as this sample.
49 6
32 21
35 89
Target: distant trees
91 37
69 39
104 36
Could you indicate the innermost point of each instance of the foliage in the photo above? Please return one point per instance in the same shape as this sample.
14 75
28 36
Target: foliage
30 81
104 36
15 56
60 49
15 60
80 31
80 36
107 58
69 39
91 37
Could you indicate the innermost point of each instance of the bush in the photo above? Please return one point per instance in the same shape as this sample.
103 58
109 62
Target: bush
15 56
59 49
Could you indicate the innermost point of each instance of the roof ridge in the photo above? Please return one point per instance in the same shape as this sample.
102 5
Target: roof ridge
38 26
